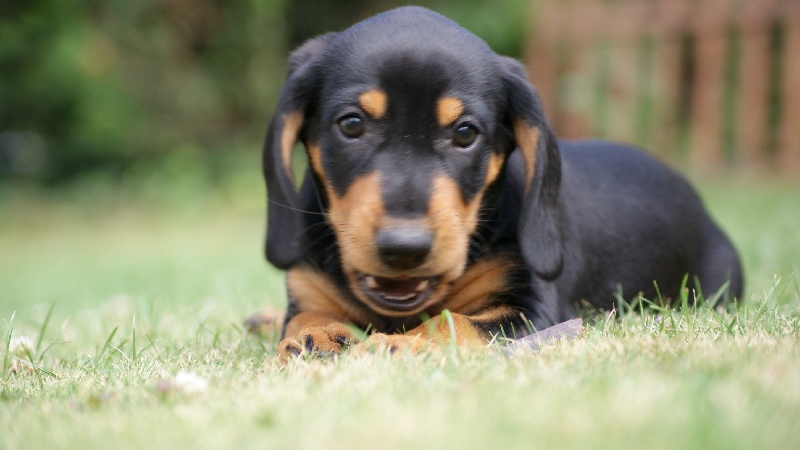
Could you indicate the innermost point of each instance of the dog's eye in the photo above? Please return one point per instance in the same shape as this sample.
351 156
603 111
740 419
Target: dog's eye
352 126
464 136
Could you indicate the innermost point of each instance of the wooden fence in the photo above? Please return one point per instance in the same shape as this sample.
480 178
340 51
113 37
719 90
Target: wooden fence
709 83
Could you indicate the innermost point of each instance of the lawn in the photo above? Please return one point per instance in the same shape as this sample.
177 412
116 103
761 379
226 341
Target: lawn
122 318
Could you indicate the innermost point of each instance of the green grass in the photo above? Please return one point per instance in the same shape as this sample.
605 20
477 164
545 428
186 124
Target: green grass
118 294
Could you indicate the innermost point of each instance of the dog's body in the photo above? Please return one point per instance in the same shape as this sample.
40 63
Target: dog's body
435 183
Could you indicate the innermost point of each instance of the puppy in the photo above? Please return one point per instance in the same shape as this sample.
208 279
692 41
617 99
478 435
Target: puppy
435 183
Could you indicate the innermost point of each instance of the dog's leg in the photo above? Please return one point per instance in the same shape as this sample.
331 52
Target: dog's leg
314 333
320 325
719 264
469 331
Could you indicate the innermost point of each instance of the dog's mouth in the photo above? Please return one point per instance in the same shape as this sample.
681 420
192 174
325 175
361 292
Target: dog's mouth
401 293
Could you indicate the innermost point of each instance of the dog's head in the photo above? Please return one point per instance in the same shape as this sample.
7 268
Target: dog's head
407 119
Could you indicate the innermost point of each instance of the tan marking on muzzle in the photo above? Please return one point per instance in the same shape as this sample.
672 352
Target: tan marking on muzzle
316 293
374 102
476 289
448 109
453 222
355 217
360 213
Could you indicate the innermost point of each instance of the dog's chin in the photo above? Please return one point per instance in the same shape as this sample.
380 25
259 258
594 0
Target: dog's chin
403 295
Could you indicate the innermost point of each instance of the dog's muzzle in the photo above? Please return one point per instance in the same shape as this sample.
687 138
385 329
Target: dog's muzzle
402 248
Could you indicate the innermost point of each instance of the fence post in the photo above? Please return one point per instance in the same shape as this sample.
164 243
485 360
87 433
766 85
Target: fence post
588 51
583 21
754 19
668 25
706 91
626 31
541 56
789 134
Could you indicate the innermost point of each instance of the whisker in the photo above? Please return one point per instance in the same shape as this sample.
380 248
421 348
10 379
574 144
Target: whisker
295 209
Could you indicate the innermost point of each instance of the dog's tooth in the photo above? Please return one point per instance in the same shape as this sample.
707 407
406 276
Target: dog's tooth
372 283
400 298
422 285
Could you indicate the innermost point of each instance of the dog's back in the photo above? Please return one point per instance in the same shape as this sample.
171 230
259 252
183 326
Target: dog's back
642 224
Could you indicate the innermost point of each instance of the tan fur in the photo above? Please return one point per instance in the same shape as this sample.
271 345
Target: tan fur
324 317
492 315
306 320
291 128
467 332
315 159
477 287
448 109
355 217
315 293
429 335
374 102
321 331
437 331
527 141
453 222
392 342
495 164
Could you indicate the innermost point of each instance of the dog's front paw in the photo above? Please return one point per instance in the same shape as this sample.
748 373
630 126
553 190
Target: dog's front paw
396 344
317 341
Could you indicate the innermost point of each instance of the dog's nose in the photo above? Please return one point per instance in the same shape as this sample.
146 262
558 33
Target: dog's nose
403 248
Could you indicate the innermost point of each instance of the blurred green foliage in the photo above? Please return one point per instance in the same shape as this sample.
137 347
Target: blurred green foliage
110 87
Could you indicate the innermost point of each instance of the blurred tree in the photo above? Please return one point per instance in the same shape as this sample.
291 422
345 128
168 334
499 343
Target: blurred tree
106 85
501 24
90 84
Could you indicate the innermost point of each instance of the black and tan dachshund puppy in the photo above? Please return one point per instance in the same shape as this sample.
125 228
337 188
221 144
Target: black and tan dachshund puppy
435 183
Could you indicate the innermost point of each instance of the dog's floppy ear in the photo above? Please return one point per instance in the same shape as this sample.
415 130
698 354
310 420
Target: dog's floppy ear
539 232
284 218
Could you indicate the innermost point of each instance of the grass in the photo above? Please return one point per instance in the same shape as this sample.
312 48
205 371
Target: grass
121 297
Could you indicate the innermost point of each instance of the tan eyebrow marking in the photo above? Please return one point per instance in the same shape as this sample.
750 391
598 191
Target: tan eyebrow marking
374 102
448 109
